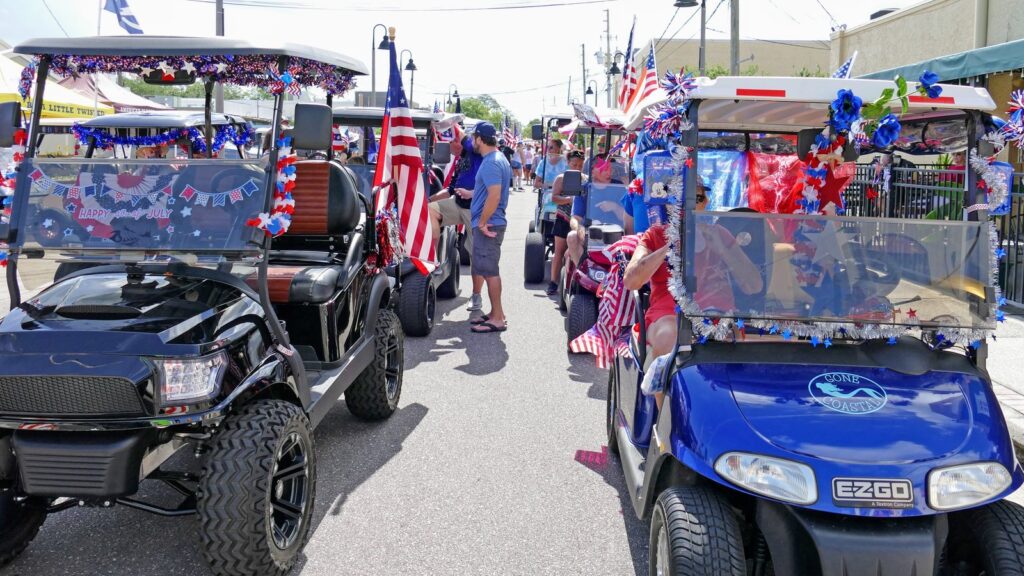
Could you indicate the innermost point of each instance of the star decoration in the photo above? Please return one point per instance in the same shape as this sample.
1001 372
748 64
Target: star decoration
170 201
196 233
815 341
47 223
90 228
891 341
872 193
145 71
911 313
186 212
221 67
170 229
828 242
828 342
786 334
68 231
189 67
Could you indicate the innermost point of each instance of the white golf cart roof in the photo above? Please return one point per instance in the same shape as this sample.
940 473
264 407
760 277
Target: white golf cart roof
593 117
363 113
560 113
447 121
162 119
788 104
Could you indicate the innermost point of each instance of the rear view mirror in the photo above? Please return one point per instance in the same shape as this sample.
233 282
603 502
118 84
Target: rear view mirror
442 153
537 132
10 121
572 183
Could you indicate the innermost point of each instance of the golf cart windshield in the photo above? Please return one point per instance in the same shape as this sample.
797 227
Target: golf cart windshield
604 203
114 209
833 268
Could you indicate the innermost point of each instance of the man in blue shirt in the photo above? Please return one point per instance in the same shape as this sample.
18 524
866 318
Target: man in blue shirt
490 198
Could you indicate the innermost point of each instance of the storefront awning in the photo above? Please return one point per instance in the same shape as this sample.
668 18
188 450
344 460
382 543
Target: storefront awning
968 64
58 102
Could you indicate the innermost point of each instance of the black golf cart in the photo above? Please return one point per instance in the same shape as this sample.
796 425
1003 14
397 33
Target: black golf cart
540 241
417 293
198 334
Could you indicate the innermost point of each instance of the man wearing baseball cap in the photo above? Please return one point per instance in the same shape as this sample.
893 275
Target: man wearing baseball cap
487 212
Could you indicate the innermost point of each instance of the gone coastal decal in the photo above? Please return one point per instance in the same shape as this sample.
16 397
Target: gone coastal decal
847 393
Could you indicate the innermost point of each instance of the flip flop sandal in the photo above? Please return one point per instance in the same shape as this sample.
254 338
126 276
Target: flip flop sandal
480 320
489 328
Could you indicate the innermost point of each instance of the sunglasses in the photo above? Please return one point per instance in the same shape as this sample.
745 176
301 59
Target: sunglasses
701 198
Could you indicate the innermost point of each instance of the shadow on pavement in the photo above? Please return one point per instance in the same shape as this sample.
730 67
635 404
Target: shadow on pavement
431 347
609 469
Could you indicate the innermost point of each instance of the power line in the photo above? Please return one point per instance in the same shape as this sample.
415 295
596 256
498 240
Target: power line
830 16
662 38
784 11
61 26
780 42
291 6
683 43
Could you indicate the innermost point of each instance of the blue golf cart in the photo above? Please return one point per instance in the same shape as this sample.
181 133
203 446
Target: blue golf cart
839 420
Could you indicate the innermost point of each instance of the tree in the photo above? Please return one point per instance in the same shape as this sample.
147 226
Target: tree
194 90
485 107
806 73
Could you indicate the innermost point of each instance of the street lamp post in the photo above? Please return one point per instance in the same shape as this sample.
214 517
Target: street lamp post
450 94
613 71
411 67
384 45
592 89
703 29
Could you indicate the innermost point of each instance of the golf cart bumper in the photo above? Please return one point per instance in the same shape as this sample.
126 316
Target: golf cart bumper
850 545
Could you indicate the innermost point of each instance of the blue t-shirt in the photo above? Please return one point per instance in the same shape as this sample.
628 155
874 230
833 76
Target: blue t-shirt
635 207
493 170
551 171
467 177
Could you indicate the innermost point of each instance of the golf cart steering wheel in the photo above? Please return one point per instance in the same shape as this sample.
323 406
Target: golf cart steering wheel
245 173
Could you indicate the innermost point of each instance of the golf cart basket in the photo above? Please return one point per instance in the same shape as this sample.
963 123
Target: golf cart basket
132 212
824 276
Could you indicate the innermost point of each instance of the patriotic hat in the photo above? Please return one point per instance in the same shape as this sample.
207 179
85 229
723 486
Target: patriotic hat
485 129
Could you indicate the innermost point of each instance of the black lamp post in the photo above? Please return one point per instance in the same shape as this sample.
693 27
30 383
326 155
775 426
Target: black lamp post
450 93
385 44
703 29
592 90
411 67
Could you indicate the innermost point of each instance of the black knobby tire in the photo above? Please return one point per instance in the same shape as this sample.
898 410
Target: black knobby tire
534 260
694 533
612 406
465 258
450 287
19 524
533 227
259 476
582 315
992 538
375 393
417 302
563 306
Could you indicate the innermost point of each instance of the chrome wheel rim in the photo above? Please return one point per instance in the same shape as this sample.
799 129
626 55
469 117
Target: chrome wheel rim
663 555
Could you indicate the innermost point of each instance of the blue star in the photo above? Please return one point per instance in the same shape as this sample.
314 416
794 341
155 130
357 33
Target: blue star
814 341
68 231
892 340
170 201
740 324
976 344
774 329
70 208
786 334
1000 316
1000 253
828 342
703 339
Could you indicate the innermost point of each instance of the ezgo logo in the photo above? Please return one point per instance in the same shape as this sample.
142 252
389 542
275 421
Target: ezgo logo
847 393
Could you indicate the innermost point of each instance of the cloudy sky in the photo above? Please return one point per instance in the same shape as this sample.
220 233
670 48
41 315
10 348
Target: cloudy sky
522 56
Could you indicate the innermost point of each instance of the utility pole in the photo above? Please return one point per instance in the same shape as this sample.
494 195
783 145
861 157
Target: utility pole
702 58
218 91
734 38
568 94
608 56
583 60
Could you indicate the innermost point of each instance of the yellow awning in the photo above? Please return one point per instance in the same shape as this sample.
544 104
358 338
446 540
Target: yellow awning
58 101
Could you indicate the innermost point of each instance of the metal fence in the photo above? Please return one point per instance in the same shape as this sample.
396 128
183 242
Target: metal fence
933 192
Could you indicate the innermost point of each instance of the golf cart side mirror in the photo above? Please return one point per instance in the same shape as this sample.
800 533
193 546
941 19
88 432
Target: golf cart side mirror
537 132
10 121
312 128
572 183
804 141
442 153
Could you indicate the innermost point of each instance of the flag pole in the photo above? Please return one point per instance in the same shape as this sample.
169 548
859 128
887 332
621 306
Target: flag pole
95 92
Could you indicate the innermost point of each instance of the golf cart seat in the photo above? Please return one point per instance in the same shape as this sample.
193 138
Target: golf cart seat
322 248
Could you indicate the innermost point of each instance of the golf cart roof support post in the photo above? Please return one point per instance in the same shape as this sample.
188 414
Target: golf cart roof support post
42 70
330 104
294 362
971 195
208 117
90 147
685 329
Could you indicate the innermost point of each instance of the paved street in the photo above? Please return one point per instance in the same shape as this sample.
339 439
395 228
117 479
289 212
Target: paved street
493 465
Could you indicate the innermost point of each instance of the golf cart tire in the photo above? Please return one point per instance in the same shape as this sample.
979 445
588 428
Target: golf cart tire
533 265
702 534
611 408
996 534
582 315
368 397
19 524
533 227
417 301
450 287
562 306
234 497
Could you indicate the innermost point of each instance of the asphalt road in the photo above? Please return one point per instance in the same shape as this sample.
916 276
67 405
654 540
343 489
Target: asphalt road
494 464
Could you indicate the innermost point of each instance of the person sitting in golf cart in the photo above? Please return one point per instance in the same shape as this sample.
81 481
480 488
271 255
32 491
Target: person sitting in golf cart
714 247
602 175
562 216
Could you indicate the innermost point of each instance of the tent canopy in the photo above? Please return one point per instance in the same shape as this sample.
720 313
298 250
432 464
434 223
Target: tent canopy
58 102
967 64
110 93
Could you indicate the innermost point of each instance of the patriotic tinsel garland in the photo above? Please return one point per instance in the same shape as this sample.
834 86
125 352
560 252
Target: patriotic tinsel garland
279 219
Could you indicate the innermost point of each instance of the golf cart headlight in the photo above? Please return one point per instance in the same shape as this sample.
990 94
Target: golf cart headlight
190 379
773 477
963 486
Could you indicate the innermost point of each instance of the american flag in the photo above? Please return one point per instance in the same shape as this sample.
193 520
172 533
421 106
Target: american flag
125 18
615 310
340 138
648 81
507 134
628 72
847 67
400 164
437 107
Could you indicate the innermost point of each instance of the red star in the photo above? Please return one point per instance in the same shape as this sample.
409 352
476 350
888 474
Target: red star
689 162
911 313
872 193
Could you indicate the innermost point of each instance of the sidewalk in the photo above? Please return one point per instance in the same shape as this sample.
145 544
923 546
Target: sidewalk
1006 367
